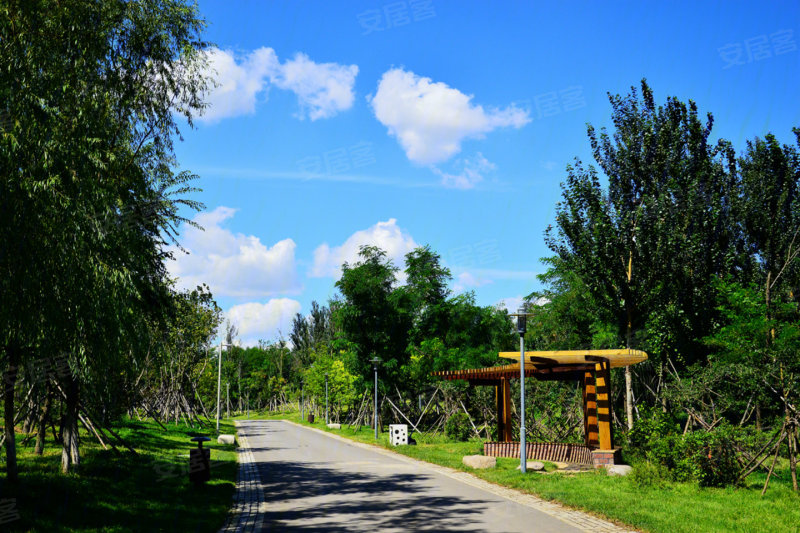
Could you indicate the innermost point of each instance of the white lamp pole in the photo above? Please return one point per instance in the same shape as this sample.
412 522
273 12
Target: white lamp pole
375 362
219 378
327 418
521 327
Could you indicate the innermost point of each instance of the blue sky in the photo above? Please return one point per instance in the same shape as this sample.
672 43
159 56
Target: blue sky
417 122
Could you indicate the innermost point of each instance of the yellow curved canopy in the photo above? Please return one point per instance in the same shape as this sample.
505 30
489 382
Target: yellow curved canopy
616 358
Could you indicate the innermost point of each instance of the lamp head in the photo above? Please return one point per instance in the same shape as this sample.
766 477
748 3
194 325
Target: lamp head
522 321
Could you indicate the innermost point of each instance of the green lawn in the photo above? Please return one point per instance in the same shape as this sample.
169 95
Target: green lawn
149 492
674 507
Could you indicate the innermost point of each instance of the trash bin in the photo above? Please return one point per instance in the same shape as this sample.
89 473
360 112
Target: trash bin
310 418
200 462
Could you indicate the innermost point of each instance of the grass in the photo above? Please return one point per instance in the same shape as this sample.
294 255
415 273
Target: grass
668 507
116 493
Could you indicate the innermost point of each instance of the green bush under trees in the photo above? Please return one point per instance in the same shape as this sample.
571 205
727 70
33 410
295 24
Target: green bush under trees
709 457
458 427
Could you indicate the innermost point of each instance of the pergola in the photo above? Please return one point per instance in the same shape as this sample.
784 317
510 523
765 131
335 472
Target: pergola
590 367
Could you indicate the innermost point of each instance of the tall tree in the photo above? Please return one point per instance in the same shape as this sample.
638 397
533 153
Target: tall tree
426 294
769 209
371 317
651 240
310 331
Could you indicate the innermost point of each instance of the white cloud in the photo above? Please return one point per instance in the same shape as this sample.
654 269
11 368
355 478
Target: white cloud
472 172
257 321
431 119
233 264
386 235
238 84
496 273
322 89
512 304
467 280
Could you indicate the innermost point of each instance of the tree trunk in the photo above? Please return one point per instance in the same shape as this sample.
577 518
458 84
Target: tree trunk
43 417
793 455
27 426
629 397
628 377
70 454
9 381
628 335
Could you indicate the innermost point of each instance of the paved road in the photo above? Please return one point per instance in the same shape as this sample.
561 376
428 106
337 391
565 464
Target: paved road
313 482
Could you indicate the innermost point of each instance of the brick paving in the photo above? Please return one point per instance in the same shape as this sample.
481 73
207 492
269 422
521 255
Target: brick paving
247 513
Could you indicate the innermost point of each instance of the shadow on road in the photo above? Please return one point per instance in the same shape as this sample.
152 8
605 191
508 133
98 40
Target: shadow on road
337 500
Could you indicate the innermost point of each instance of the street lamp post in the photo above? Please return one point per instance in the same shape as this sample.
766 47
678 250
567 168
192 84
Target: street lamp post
375 362
327 418
521 327
302 402
219 377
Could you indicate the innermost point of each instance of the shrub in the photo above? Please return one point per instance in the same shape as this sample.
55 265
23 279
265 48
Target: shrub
709 457
650 474
714 456
652 425
458 427
675 453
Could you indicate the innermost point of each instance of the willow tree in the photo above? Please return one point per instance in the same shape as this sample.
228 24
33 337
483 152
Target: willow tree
92 93
646 245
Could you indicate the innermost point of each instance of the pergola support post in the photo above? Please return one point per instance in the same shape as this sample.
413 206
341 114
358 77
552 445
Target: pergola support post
590 429
503 398
603 396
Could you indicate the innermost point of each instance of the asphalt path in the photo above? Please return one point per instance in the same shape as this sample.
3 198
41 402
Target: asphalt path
313 482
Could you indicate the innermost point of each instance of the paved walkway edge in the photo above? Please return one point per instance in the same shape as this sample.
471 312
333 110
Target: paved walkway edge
577 519
247 513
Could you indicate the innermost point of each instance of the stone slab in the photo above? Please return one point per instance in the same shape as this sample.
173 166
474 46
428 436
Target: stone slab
226 439
479 461
618 470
